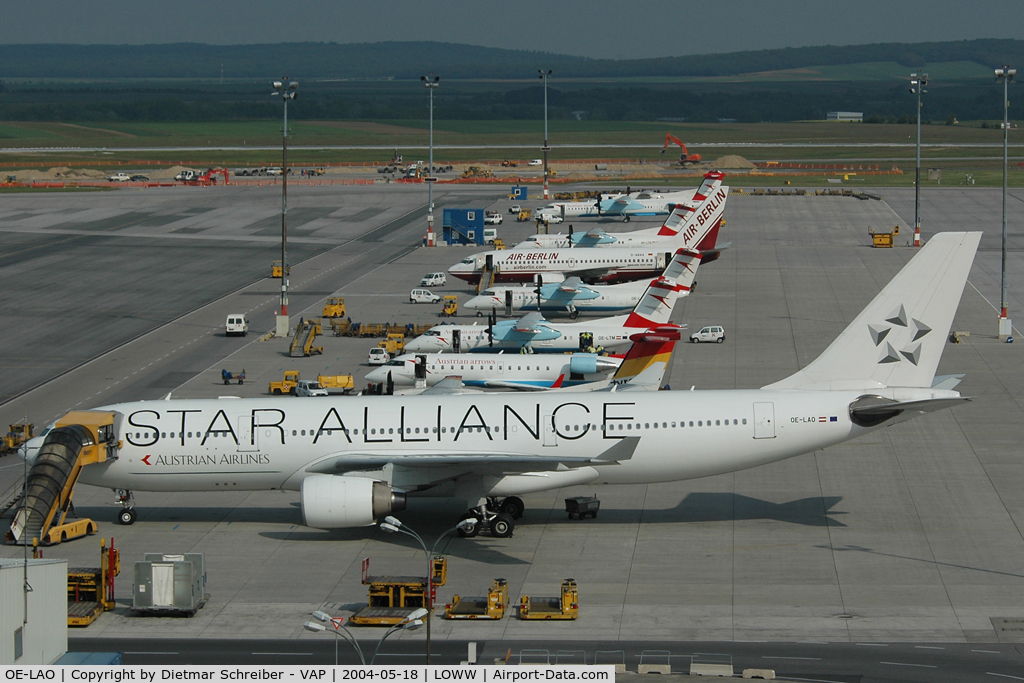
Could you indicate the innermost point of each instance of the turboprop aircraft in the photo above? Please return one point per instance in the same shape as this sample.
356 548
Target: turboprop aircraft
355 459
533 334
610 264
597 237
622 206
572 297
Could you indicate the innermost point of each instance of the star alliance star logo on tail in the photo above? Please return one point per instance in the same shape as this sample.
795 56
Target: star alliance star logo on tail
909 349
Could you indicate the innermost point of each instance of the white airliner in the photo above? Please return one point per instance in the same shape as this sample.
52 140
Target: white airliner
623 206
597 237
355 459
537 335
611 264
497 370
572 297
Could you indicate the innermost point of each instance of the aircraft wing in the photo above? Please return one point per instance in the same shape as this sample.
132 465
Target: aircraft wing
447 386
473 461
518 386
531 323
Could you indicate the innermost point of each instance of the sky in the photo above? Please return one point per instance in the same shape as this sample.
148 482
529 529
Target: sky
613 29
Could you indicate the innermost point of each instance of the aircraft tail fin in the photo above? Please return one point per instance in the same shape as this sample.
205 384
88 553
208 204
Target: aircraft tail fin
711 182
655 306
692 226
897 340
650 349
683 269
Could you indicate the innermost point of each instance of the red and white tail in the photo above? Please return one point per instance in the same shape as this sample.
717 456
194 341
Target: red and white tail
683 269
655 306
649 347
684 217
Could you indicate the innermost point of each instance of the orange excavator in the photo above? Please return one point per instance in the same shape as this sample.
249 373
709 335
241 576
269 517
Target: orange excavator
684 158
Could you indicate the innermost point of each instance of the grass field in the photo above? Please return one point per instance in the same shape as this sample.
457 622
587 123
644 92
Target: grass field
147 145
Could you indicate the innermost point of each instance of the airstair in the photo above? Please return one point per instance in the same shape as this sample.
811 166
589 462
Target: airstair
487 276
305 334
79 439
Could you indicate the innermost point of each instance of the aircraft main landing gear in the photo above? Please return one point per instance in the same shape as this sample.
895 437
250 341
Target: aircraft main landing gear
499 518
127 515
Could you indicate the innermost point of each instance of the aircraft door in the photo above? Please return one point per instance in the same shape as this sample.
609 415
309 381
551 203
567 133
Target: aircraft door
508 302
456 341
550 437
248 438
420 368
764 420
489 262
586 341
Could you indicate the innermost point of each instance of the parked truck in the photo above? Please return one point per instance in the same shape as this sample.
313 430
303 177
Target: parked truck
287 384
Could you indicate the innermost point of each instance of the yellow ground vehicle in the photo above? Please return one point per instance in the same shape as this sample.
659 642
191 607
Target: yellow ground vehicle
393 598
499 244
524 215
78 439
306 333
565 606
275 269
335 384
334 308
450 305
476 172
491 606
394 344
883 239
91 590
17 434
287 384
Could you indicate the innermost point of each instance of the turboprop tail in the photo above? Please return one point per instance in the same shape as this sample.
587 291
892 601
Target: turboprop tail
897 340
655 306
683 269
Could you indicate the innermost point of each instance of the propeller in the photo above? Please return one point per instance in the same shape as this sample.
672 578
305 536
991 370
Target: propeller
540 283
598 204
491 319
570 235
390 390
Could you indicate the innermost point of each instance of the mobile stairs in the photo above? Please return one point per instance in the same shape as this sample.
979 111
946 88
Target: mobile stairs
80 438
305 335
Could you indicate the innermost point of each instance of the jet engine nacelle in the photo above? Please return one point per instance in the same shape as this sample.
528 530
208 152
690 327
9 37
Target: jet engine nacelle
590 364
332 502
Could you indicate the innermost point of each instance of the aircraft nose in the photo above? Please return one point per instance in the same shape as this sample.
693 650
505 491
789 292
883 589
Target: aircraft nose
376 376
481 303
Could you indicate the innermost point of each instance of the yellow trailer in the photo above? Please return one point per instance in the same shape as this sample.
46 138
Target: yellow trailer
490 606
337 383
393 598
883 239
91 590
565 606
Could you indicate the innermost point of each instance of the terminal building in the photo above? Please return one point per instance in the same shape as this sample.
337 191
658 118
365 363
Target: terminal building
856 116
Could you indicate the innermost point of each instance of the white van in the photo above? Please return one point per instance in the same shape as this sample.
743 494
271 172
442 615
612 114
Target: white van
378 356
423 296
309 387
434 280
236 323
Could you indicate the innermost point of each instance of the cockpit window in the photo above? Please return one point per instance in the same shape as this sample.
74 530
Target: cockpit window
395 362
469 260
432 333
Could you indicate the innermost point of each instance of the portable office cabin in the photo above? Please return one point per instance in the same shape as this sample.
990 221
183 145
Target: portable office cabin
463 226
41 635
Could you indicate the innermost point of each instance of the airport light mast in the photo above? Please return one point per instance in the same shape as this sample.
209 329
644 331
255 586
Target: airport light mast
1005 74
917 83
544 73
430 84
287 92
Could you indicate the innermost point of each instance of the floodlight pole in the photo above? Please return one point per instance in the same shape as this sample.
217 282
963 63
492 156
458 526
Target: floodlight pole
1005 74
287 90
430 84
544 73
917 83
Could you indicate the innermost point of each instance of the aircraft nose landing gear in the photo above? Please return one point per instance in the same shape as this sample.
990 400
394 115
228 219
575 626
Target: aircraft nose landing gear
127 515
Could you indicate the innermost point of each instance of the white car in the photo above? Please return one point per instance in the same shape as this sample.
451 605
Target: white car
493 218
515 208
309 387
712 333
536 162
378 356
423 296
553 218
120 177
236 323
434 280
